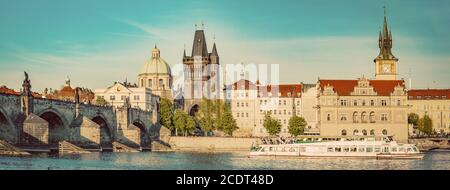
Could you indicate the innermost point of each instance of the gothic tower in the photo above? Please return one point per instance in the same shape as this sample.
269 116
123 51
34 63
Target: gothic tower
201 72
385 62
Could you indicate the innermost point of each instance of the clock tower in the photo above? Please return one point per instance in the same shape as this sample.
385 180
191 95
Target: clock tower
385 62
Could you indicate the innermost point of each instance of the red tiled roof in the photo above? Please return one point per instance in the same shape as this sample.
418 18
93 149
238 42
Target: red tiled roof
282 89
345 87
242 85
424 94
6 90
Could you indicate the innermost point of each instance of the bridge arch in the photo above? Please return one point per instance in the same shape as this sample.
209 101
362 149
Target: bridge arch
145 134
8 130
57 125
106 134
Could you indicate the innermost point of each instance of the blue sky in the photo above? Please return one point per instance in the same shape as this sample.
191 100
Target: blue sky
98 42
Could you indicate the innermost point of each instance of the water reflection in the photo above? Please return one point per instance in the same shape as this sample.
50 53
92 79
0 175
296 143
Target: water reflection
208 161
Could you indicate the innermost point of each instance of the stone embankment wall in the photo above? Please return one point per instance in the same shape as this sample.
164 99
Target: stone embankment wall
429 144
210 143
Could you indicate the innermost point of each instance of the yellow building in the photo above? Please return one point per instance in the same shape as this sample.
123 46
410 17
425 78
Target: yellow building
434 103
363 106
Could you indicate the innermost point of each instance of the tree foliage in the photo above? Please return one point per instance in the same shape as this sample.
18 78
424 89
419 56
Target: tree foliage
297 125
167 114
413 119
184 123
426 125
272 126
227 122
101 101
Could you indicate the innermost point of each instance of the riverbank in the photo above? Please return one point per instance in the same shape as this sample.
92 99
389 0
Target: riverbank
219 144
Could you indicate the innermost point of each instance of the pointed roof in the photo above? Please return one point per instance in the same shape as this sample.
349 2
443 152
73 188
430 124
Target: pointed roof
199 45
385 42
214 50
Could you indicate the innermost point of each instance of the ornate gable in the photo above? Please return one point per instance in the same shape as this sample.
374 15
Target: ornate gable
363 88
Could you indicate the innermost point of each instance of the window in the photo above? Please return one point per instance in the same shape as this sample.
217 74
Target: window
284 102
343 102
298 103
363 102
355 132
284 112
279 102
337 149
372 132
384 117
112 97
385 132
344 132
363 117
161 83
355 102
372 103
329 117
383 102
246 114
364 132
343 117
369 149
330 149
136 97
372 117
150 83
398 103
237 115
361 149
246 104
237 104
377 149
355 117
142 83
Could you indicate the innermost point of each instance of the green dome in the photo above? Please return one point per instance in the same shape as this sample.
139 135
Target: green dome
156 65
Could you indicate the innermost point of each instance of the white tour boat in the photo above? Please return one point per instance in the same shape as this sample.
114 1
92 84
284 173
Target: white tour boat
358 147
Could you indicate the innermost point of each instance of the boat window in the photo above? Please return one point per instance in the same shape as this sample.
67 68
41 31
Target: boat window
330 149
346 149
409 150
361 149
353 149
385 149
369 149
337 149
394 149
415 149
377 149
401 149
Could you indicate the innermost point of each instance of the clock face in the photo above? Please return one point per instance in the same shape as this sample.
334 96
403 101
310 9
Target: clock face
386 68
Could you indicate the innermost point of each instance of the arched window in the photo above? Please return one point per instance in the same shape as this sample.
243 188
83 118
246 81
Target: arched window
355 132
372 117
363 117
161 83
355 117
150 83
364 132
343 132
385 132
372 132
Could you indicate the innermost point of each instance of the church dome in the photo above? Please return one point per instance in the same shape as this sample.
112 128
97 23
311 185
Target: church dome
156 65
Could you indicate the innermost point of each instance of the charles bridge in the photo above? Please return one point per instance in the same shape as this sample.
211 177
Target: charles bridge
39 124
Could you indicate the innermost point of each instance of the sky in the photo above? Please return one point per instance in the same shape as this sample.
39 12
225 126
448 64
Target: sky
96 43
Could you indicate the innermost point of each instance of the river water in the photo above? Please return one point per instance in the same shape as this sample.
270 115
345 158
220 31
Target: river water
434 160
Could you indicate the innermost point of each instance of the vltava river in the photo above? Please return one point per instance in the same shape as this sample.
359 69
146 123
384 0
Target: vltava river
435 160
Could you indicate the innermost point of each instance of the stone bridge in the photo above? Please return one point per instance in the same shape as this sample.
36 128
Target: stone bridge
28 122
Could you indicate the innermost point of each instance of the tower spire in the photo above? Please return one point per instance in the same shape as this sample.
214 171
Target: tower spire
385 40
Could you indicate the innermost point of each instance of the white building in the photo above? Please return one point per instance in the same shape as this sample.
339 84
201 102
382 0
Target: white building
117 94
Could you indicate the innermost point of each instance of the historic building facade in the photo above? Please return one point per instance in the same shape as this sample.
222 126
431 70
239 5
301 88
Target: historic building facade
67 93
156 75
201 73
363 106
251 101
121 94
432 102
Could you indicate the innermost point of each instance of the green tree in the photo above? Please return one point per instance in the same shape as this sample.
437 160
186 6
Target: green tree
227 122
413 119
272 126
297 125
184 123
206 115
101 101
426 125
167 114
